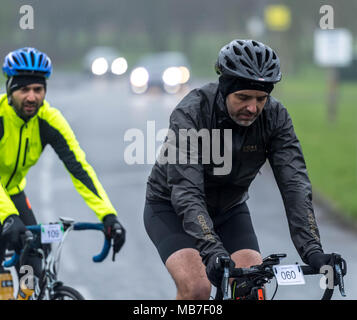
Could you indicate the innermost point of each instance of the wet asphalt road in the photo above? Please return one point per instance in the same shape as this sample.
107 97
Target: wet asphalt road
100 113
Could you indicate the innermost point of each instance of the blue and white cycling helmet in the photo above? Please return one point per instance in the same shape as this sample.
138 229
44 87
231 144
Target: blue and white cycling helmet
27 61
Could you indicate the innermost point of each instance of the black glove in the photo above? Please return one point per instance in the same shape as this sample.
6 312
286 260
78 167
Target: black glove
319 259
12 230
215 268
114 230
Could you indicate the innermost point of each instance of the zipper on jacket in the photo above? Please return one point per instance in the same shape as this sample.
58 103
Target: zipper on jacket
25 153
17 159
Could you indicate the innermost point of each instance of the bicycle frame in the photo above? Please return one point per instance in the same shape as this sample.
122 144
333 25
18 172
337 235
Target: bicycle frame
50 264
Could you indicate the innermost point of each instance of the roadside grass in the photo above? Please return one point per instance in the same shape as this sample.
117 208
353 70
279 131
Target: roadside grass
330 149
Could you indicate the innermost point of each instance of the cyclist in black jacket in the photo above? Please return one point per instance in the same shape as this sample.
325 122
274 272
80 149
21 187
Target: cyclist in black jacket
196 210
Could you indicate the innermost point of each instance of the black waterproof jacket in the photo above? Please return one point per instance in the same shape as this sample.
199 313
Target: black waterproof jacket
197 192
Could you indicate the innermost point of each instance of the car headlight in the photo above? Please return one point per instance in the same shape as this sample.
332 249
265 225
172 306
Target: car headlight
139 77
119 66
99 66
172 76
185 74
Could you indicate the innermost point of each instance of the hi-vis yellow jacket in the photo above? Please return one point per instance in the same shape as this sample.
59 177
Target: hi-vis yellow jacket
21 144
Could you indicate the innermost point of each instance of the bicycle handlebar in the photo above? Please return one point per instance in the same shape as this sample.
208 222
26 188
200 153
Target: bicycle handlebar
95 226
76 226
12 261
266 270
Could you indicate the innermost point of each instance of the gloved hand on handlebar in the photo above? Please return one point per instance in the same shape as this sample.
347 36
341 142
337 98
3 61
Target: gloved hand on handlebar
12 230
114 230
215 267
319 259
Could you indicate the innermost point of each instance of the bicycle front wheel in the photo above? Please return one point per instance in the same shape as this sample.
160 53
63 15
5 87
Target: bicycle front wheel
67 293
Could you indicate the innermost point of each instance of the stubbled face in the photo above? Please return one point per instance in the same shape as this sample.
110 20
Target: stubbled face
27 100
244 106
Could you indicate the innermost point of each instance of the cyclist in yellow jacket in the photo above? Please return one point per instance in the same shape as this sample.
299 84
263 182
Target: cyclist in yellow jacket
27 124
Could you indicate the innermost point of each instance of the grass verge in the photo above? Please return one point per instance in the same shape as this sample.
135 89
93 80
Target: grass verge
330 149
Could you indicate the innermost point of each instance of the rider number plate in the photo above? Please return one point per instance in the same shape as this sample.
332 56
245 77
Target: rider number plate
289 275
51 233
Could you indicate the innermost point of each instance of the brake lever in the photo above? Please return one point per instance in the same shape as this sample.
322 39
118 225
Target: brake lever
341 285
340 269
118 232
114 253
225 280
225 283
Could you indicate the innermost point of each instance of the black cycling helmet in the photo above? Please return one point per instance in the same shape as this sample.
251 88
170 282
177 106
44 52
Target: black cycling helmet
249 59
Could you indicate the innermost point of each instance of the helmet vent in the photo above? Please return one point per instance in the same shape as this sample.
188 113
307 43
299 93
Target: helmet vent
245 64
251 73
230 63
24 58
274 55
32 58
40 60
269 74
267 55
255 44
237 51
16 61
240 42
248 53
46 64
259 59
271 67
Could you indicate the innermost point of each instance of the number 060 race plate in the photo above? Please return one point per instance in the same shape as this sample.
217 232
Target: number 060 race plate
289 275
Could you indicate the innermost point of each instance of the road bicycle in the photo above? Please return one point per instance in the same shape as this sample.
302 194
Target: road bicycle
48 287
249 283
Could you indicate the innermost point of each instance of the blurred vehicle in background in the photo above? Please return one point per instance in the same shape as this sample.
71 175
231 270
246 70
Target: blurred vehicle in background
169 71
101 61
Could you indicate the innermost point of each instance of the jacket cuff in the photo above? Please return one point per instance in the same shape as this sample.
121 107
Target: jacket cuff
314 248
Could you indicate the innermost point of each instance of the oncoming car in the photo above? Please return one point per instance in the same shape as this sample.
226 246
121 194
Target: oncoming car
101 61
168 71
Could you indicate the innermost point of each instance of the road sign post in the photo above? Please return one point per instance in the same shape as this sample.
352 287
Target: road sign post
333 48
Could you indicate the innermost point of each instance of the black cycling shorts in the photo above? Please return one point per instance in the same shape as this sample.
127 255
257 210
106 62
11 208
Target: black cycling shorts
165 230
